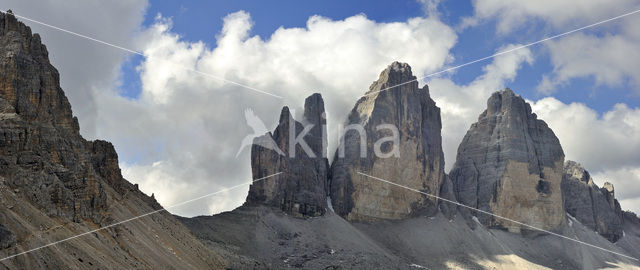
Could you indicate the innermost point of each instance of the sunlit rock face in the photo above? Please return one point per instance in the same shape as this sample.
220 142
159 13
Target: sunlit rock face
510 164
301 187
594 207
415 160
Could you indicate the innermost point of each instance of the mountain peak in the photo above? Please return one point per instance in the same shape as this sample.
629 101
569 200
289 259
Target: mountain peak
577 171
300 189
596 208
285 114
398 67
32 85
508 102
396 74
417 119
507 148
57 184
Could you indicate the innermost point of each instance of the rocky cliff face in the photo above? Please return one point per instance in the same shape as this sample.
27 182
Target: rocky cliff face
54 184
594 207
301 187
510 164
42 152
416 160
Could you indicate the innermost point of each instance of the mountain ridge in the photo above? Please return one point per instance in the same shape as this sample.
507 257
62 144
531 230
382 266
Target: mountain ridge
520 166
55 185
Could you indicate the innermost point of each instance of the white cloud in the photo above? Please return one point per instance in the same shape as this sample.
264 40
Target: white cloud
179 139
512 15
606 145
430 7
461 104
599 142
611 59
185 129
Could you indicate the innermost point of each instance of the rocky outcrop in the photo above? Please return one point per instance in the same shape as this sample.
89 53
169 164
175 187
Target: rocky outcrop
7 238
630 217
394 134
447 206
55 185
594 207
41 151
30 84
298 152
510 164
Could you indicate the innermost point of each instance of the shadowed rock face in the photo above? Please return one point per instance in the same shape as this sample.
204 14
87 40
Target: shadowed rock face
419 162
594 207
41 151
510 164
300 189
30 85
54 184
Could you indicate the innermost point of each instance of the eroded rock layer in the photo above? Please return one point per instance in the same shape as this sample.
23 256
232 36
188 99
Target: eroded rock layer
594 207
393 108
510 164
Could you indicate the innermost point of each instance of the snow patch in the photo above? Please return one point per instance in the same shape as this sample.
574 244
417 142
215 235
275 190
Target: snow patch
476 219
572 220
570 223
417 266
329 204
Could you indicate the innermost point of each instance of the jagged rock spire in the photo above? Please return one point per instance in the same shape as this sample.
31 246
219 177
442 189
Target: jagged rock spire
419 162
300 189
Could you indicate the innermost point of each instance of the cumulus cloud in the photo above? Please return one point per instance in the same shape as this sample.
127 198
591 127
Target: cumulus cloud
606 145
512 15
599 142
611 59
179 139
183 132
85 67
461 104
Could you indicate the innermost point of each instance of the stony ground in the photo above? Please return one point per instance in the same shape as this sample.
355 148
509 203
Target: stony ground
264 238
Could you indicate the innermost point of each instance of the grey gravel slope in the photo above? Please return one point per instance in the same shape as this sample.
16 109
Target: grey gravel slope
265 238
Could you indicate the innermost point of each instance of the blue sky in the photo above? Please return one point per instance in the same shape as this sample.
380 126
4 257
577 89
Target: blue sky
202 21
177 133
